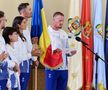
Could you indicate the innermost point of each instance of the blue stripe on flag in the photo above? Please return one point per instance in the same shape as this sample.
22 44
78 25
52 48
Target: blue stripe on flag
36 28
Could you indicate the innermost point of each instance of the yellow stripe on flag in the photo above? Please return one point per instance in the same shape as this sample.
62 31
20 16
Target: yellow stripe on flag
44 40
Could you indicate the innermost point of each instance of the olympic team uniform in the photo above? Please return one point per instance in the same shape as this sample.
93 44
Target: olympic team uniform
24 59
13 76
57 79
29 44
4 65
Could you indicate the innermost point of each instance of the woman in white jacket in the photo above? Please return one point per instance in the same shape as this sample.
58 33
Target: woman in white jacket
24 57
5 62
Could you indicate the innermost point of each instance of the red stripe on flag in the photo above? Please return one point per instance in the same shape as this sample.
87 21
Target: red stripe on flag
53 60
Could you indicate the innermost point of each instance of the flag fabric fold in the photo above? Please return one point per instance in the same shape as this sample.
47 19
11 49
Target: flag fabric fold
75 61
87 36
106 43
39 29
99 47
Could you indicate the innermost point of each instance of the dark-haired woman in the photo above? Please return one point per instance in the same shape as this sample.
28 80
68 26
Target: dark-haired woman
11 36
23 55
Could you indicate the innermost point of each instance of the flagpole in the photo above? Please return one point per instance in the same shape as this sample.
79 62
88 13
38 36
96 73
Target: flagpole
35 74
34 78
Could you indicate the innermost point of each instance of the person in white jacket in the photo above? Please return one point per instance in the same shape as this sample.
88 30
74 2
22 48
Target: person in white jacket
56 79
11 36
5 62
23 54
25 11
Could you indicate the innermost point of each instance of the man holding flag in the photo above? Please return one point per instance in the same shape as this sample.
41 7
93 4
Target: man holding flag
53 42
56 79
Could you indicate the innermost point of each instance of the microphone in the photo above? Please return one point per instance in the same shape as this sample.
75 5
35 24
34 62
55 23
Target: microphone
80 40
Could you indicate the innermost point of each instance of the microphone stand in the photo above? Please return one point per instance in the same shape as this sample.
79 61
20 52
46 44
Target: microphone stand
96 58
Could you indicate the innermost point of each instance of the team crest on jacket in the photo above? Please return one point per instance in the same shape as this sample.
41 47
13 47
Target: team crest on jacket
87 29
74 25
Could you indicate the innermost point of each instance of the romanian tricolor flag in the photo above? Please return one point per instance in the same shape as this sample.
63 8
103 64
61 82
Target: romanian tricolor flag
39 29
87 36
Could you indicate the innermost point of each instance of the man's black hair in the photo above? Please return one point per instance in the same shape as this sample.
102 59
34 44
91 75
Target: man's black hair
22 6
1 14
